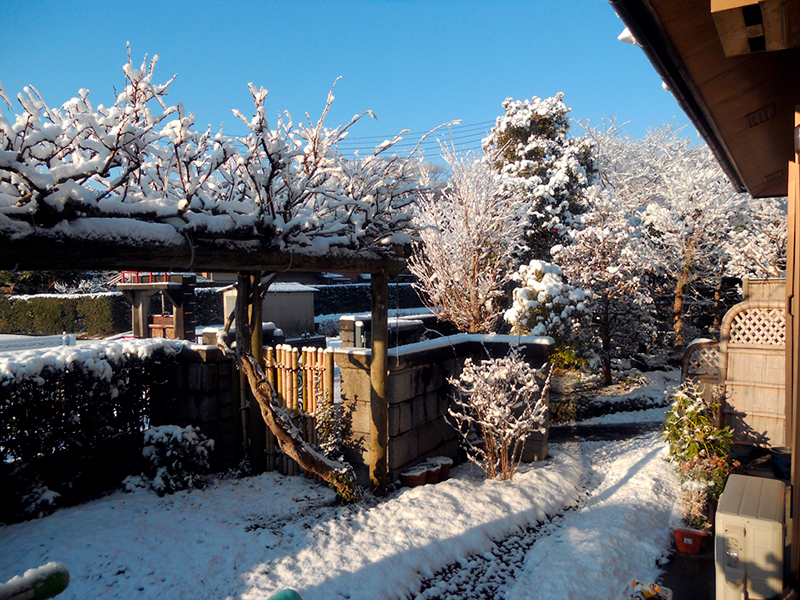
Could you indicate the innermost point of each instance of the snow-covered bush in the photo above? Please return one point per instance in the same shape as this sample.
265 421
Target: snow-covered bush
39 500
501 401
176 456
545 305
469 233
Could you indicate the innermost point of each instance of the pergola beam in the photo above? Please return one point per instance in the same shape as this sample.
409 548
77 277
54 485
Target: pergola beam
39 253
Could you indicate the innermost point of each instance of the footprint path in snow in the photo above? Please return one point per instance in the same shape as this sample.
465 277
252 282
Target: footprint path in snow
496 573
485 576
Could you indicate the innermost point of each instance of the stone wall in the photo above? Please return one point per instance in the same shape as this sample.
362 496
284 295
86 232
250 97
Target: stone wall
202 389
419 396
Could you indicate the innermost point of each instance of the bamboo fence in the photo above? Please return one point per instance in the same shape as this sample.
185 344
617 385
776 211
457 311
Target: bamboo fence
303 381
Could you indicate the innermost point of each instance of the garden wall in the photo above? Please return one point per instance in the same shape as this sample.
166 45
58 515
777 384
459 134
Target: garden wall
419 396
202 389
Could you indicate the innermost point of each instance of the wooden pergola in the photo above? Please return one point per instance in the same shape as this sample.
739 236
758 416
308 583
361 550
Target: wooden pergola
44 252
733 67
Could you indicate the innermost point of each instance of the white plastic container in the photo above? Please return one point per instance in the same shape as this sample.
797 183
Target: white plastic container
750 538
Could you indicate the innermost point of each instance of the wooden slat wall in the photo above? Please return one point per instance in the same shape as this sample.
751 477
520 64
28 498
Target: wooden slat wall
303 380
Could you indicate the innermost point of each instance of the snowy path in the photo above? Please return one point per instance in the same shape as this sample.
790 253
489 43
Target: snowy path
616 531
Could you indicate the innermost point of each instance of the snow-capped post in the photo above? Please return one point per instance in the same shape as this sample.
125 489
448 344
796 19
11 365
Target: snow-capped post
379 426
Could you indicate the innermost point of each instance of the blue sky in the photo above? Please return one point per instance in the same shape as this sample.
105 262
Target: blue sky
416 64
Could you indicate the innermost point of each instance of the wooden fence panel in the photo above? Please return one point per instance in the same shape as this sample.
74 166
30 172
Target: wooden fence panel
303 380
753 344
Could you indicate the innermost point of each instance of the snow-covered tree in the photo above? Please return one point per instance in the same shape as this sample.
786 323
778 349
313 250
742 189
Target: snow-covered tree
545 304
137 173
686 222
138 170
689 208
530 148
468 234
756 244
501 401
609 256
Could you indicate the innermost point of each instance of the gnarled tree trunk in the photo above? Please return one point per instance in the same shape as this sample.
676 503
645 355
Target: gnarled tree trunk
338 475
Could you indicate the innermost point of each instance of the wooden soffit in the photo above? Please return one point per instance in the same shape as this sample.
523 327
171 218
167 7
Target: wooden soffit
743 106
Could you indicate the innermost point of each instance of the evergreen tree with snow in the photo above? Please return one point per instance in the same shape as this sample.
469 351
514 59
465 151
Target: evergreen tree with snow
536 159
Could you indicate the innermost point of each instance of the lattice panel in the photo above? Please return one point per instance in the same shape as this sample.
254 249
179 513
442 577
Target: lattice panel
759 327
703 360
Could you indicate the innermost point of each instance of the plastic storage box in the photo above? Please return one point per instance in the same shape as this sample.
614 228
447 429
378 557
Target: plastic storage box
750 538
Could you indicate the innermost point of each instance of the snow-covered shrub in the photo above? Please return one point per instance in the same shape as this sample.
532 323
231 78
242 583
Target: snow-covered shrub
545 305
469 234
501 401
176 456
39 500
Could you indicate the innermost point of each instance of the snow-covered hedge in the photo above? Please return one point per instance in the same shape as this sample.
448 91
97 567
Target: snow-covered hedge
73 397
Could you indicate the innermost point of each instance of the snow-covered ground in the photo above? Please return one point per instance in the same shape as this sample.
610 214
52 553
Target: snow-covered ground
590 518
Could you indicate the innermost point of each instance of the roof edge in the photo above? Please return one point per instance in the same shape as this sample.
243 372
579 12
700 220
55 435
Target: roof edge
650 35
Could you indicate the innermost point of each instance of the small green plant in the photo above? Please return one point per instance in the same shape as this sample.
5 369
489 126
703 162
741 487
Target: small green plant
699 450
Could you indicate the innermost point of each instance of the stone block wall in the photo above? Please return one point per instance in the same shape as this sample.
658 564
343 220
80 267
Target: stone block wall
419 396
202 389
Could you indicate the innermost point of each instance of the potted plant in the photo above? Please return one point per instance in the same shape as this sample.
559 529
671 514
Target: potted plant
699 450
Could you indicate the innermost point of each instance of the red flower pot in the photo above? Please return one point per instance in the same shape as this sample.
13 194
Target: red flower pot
689 541
434 471
414 476
445 462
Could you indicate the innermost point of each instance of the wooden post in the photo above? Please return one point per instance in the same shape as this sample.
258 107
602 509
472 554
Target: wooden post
270 442
793 345
379 402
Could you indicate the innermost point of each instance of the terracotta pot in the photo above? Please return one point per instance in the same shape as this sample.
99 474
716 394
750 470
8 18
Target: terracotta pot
414 477
434 471
689 541
445 462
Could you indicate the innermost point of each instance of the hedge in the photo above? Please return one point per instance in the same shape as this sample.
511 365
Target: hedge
65 407
93 314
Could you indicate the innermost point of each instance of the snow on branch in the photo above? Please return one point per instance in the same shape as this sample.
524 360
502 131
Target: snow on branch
141 160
